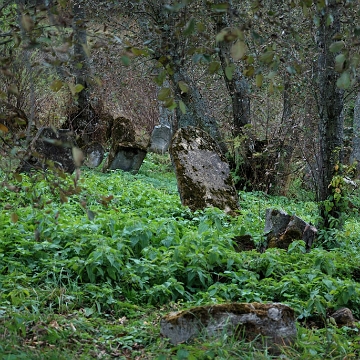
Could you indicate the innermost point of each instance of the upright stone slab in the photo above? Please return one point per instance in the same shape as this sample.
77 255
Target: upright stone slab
203 174
53 145
125 153
274 321
160 139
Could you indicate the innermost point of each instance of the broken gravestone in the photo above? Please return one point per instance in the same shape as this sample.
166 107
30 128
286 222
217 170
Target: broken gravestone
160 139
125 153
53 145
202 172
94 154
274 321
282 229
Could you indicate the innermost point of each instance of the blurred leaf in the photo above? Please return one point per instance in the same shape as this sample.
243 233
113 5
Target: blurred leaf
170 103
190 27
214 67
164 93
56 85
14 217
340 62
13 89
182 107
78 88
183 87
18 177
27 23
337 46
78 156
259 80
238 50
267 57
220 8
229 71
343 82
249 71
3 128
125 60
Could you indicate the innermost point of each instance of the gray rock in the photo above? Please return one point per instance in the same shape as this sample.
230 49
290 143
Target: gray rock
94 155
282 229
160 139
125 156
274 321
203 174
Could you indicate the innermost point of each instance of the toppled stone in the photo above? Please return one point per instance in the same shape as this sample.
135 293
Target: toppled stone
53 145
94 154
160 139
344 317
274 321
202 172
282 229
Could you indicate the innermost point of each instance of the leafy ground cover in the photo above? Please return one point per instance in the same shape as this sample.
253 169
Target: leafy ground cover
89 273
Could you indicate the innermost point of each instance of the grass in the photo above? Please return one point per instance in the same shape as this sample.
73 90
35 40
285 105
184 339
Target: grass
88 267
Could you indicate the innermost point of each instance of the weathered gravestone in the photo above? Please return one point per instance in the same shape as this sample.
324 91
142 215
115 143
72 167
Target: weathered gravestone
282 229
202 172
125 153
274 321
53 145
94 154
160 139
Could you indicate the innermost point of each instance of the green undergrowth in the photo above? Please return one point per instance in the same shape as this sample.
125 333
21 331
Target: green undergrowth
89 274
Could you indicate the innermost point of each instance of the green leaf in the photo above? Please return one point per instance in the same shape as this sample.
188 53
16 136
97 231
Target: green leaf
190 27
214 66
184 87
337 46
220 8
164 93
125 60
344 81
267 57
238 50
259 80
56 85
78 88
229 71
182 107
340 62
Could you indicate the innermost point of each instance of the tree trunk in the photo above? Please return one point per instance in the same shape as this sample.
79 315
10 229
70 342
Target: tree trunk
80 59
330 106
355 154
197 108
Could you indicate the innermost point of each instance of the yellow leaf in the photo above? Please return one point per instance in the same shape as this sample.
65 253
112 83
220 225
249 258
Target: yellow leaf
27 23
259 80
56 85
3 128
238 50
14 217
78 156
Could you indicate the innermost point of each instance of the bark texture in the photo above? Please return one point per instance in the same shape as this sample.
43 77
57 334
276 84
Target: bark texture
355 155
330 106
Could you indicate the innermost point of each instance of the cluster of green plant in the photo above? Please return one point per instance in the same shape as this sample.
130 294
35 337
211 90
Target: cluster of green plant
93 270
